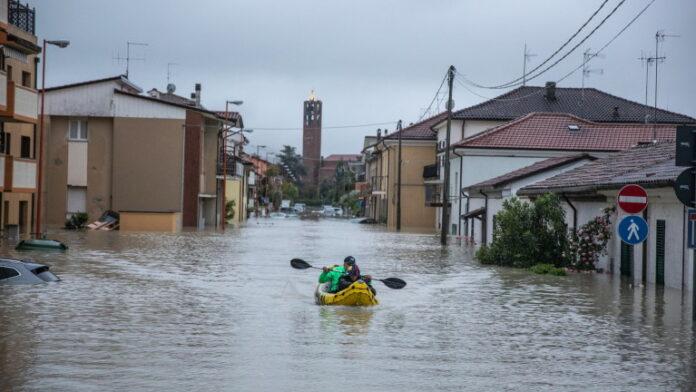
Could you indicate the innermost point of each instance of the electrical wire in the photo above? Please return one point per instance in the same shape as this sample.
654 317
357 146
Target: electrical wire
437 93
327 127
529 77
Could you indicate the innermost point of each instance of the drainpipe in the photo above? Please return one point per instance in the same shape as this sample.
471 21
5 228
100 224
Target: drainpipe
575 212
484 222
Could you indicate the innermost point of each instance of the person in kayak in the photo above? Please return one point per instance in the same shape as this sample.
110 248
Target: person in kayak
352 275
332 274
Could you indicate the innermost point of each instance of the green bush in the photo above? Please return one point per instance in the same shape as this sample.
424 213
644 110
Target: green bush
547 269
528 233
229 209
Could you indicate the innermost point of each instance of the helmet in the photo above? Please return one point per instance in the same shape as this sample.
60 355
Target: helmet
350 260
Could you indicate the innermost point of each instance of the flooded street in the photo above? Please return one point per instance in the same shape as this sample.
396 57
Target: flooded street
212 311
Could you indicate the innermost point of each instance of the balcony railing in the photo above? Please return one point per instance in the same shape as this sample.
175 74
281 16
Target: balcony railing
18 174
22 16
3 90
22 104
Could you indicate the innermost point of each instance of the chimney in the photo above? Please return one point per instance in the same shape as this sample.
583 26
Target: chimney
198 94
379 134
615 113
550 91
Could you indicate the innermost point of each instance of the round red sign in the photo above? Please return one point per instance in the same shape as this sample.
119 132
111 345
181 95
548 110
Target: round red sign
633 198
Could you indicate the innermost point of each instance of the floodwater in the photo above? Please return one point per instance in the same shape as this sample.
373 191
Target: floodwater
207 311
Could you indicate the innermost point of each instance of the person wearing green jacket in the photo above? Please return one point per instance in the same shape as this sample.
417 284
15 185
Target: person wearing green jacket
332 273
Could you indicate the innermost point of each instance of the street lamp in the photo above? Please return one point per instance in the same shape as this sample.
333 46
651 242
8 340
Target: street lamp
224 159
61 44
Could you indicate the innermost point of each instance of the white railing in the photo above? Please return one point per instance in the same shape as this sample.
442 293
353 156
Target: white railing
26 102
3 89
2 170
23 174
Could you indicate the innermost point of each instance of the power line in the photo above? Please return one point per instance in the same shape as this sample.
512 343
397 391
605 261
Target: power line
528 77
328 127
437 93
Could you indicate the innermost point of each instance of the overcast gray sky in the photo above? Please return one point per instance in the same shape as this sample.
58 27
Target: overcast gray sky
370 61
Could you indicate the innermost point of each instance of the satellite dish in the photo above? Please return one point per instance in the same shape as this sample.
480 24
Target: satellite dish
171 88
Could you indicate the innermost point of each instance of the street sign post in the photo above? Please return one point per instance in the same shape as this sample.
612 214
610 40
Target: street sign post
633 198
686 146
633 229
691 224
684 187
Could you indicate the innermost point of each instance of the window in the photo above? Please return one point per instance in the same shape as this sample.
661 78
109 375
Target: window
78 130
8 143
660 252
77 200
26 147
6 273
2 59
26 79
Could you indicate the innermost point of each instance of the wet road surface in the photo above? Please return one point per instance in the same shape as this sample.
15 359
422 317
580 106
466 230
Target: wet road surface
212 311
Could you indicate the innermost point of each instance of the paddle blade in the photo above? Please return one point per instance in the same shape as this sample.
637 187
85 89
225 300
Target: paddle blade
300 264
393 283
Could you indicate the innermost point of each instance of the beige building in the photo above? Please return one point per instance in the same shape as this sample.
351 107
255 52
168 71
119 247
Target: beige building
381 175
151 160
18 116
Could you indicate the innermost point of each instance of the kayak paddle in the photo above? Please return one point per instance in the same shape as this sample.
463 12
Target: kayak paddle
392 283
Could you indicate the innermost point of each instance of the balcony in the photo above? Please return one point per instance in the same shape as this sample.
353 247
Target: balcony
22 16
22 104
19 174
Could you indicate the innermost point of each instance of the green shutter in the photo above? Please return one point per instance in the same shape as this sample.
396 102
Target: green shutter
660 253
626 259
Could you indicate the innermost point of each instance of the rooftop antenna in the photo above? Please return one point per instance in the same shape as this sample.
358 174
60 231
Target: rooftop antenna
648 60
169 71
660 36
128 58
527 56
587 56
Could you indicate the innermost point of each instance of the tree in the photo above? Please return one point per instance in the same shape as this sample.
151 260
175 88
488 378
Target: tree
291 162
529 233
290 191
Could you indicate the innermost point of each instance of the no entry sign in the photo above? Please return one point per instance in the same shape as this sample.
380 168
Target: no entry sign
633 198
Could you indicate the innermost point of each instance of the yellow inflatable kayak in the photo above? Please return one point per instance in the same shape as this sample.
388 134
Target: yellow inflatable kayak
357 294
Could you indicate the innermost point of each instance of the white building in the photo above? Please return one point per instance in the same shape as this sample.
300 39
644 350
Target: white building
663 259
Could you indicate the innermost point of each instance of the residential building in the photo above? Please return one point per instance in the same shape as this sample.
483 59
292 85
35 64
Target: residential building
18 116
109 147
327 170
529 140
418 150
485 199
587 103
663 259
237 186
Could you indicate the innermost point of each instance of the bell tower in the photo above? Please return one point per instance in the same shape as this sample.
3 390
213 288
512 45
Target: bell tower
311 139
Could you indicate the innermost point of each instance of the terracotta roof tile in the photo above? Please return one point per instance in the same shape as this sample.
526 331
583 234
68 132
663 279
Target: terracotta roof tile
420 130
651 164
550 131
589 103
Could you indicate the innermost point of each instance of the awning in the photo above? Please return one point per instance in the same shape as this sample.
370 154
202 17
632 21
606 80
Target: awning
474 213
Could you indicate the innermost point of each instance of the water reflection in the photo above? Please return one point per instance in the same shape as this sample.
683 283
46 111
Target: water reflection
213 311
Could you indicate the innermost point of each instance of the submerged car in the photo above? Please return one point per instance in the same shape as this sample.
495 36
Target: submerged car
24 272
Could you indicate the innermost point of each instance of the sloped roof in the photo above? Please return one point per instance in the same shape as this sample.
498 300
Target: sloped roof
648 165
420 130
343 157
121 78
530 170
589 103
550 131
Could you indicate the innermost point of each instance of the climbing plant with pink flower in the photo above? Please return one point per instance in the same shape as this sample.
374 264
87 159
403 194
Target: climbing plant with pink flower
590 241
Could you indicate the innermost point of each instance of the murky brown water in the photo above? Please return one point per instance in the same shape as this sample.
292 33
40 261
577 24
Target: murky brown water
207 311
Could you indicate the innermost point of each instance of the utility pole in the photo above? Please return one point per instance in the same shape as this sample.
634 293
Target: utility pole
527 56
398 180
445 186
